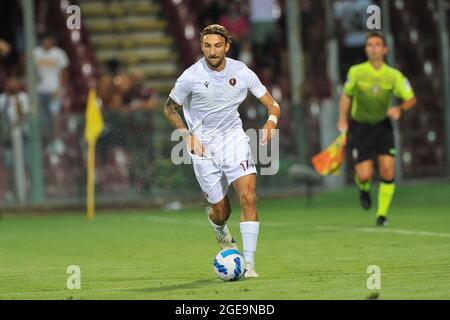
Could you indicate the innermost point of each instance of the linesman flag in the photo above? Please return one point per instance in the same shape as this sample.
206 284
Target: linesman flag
329 160
92 130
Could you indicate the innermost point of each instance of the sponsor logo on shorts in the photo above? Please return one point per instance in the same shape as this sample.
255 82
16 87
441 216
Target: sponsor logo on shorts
393 151
355 154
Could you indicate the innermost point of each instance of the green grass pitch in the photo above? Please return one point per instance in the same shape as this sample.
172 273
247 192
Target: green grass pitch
321 252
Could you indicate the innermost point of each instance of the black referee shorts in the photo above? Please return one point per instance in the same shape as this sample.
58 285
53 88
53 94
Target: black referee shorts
366 141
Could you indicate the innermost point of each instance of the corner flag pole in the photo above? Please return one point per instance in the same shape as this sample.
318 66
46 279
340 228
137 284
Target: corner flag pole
91 181
93 129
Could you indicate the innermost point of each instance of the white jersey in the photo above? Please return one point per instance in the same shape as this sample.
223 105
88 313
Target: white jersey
211 99
10 104
50 63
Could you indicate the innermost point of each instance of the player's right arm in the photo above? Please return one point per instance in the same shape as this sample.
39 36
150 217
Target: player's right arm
345 101
171 113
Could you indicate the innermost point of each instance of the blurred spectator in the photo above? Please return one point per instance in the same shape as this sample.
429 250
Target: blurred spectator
14 107
237 25
109 89
263 30
51 64
262 22
14 104
124 91
5 48
11 32
246 53
351 16
212 12
138 97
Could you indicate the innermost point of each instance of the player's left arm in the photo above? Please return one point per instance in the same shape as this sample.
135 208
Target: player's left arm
404 91
274 111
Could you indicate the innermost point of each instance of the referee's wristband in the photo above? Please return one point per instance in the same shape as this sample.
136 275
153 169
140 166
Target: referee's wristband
273 118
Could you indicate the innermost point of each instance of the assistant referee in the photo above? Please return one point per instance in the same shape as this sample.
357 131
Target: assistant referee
368 92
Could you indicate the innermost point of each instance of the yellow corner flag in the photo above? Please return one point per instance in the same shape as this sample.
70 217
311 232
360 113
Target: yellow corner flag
92 130
329 160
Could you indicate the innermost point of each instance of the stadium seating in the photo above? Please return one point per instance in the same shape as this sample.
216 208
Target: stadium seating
135 33
83 73
417 55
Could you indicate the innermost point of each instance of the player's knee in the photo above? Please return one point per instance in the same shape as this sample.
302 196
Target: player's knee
364 177
248 199
226 212
220 214
387 174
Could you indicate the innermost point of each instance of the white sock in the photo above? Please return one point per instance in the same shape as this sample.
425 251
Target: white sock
249 231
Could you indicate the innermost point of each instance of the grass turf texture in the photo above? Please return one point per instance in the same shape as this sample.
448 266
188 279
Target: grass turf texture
320 252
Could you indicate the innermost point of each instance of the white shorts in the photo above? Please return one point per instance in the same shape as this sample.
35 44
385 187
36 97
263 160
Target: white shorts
224 164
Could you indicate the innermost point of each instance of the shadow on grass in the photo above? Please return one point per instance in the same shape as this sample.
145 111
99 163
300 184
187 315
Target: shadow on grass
190 285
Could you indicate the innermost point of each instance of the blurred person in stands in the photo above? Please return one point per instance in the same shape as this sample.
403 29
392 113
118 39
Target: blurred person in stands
124 91
351 16
246 53
237 24
213 9
51 65
14 108
263 29
5 48
137 96
109 89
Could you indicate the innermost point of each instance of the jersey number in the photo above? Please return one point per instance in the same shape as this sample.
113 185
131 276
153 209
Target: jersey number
244 165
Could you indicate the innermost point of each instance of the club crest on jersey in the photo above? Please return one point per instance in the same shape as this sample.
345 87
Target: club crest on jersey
233 81
375 89
206 83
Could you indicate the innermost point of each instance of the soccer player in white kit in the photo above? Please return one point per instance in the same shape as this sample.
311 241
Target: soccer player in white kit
210 92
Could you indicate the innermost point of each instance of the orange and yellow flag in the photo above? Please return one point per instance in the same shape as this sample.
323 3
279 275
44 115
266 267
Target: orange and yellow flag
329 160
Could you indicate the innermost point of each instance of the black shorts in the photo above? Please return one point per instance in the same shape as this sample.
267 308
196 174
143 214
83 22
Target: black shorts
366 141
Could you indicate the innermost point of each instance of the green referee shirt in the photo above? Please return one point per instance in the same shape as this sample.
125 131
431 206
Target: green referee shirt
372 90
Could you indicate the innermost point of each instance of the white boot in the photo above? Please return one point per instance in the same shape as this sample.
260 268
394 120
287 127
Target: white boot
250 273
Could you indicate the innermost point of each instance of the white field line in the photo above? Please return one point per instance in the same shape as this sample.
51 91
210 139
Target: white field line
204 222
385 230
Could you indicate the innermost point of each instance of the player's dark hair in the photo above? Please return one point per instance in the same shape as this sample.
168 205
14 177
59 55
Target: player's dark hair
376 35
217 29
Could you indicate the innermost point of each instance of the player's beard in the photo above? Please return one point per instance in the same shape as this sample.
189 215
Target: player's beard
215 64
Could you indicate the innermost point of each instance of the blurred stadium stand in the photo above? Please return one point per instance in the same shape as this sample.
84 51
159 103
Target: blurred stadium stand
160 39
135 33
417 55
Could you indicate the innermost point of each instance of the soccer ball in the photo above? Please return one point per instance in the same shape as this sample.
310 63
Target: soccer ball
229 265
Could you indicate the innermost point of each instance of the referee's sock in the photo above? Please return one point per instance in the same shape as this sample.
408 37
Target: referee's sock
363 185
385 194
